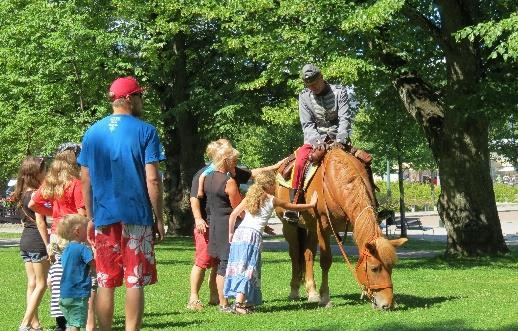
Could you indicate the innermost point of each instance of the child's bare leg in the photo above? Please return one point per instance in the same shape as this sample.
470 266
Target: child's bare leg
240 306
90 322
214 299
240 298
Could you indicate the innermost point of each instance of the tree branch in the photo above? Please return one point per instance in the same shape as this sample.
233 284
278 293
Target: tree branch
424 23
423 103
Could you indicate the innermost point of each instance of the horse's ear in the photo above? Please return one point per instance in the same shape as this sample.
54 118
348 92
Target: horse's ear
398 242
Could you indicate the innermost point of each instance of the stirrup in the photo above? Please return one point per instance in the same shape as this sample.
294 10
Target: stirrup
291 216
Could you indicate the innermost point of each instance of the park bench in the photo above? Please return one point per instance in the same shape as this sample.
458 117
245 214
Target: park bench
412 223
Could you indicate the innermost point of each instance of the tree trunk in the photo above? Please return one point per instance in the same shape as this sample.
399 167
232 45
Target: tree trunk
467 202
401 192
459 143
183 145
459 136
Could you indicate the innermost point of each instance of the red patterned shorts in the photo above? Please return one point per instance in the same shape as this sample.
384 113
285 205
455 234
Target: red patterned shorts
125 251
202 258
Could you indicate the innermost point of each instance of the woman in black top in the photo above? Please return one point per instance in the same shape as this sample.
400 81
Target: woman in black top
33 243
223 196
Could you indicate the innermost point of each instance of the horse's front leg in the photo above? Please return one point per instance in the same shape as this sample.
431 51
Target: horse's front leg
296 238
326 259
309 256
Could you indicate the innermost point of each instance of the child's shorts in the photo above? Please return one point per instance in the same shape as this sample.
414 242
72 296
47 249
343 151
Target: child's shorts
75 311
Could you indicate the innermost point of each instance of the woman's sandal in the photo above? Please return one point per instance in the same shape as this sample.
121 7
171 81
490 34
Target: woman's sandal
195 305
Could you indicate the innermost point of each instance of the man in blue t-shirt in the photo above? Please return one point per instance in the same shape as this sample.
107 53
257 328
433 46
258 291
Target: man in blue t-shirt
122 187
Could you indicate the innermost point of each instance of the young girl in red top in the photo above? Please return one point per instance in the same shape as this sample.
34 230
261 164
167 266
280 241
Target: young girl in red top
62 189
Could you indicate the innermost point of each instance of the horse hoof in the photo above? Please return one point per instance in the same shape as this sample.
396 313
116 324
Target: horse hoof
328 304
294 297
314 298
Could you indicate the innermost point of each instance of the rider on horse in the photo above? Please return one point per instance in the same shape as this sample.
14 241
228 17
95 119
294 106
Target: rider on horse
325 112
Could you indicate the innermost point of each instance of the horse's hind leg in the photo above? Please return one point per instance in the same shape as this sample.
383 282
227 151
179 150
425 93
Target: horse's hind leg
326 259
309 256
296 238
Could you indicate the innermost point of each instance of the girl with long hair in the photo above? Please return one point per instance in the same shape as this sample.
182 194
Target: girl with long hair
62 189
243 274
34 241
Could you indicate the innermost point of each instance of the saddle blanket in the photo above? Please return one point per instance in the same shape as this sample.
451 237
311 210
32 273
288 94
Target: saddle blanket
312 169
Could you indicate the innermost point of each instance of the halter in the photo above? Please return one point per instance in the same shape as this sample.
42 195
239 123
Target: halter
362 279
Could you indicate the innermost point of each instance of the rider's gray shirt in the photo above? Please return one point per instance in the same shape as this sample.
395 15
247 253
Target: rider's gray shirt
330 114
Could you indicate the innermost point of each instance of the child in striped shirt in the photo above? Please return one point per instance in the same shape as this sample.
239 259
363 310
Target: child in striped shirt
53 280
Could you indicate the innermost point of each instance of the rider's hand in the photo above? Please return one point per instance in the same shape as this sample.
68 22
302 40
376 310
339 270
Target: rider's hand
336 144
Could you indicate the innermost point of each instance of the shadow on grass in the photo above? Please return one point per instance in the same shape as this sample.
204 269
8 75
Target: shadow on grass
441 263
404 302
289 306
409 302
175 262
439 325
118 322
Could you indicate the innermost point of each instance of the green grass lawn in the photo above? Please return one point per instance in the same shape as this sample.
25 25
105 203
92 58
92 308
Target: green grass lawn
431 294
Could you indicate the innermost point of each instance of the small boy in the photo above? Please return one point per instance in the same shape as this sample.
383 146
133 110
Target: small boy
77 260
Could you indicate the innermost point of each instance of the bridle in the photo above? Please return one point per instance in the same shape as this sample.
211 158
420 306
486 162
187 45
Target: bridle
360 273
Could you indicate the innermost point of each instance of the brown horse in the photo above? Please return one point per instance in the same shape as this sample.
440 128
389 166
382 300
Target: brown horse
345 196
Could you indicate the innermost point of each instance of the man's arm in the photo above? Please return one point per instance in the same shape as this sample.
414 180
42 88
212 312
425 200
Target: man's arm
200 224
87 199
307 120
155 191
347 106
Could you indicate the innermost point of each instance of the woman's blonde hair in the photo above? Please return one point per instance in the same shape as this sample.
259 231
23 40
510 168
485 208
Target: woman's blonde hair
256 194
69 223
63 169
223 154
213 147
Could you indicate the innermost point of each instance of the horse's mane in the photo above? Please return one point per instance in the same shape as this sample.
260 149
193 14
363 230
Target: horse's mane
386 252
355 197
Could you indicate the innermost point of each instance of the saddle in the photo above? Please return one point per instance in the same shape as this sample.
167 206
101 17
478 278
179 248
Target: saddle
318 153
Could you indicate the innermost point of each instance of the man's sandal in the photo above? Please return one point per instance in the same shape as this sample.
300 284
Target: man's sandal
195 305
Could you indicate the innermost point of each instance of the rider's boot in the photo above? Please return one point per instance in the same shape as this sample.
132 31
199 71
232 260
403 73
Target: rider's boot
290 215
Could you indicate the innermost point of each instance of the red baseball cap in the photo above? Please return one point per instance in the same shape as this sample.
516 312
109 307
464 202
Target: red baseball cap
124 86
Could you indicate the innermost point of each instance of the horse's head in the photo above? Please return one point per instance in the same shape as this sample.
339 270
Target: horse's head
374 271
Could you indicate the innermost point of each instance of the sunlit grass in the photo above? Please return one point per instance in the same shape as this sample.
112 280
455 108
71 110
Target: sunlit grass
431 293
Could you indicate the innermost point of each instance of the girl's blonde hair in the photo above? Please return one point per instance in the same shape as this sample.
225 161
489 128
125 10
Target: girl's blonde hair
256 194
69 223
63 169
224 154
29 177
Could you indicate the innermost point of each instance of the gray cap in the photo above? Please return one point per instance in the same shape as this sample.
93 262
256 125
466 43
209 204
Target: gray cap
309 73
